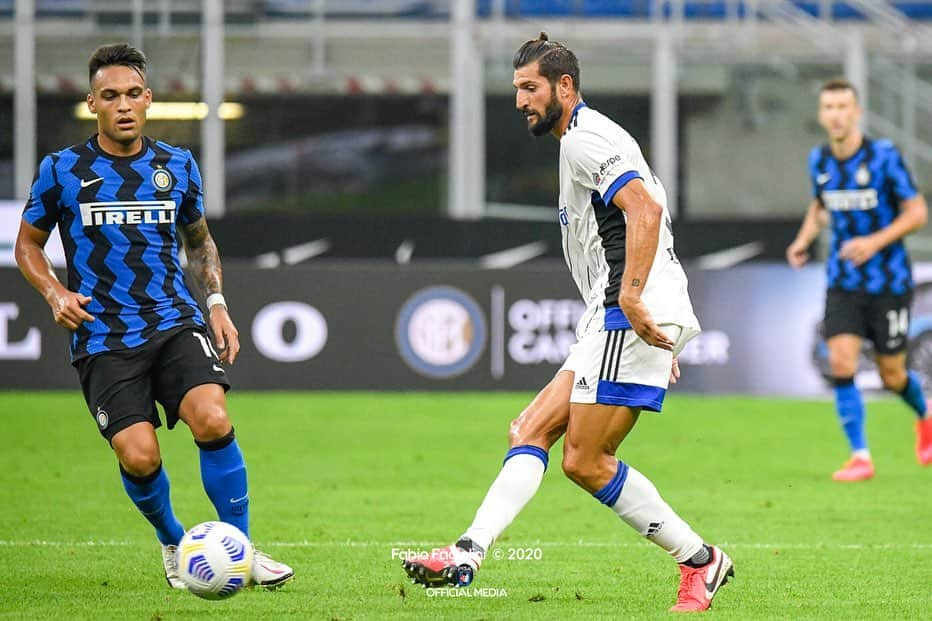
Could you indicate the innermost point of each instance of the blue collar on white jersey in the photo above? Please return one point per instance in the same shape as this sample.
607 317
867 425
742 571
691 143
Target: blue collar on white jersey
572 121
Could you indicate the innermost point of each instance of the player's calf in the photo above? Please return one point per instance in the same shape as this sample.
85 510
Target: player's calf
590 473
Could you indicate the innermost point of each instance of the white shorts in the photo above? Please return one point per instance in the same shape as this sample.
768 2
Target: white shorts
615 367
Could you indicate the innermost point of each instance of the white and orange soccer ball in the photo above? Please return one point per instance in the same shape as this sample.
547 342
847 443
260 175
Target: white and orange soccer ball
215 560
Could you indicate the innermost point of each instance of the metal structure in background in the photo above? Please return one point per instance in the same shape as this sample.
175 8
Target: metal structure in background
466 189
880 51
24 105
663 108
212 138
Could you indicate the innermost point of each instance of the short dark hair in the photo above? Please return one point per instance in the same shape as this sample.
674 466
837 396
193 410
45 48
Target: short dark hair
839 84
554 59
116 54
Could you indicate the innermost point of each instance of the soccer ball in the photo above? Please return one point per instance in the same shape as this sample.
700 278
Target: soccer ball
215 560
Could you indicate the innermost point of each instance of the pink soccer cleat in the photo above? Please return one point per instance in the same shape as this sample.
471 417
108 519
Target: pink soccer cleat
455 565
855 469
698 585
924 441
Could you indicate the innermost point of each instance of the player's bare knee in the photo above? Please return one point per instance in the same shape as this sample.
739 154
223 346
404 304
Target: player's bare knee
576 466
843 366
571 466
893 379
209 422
140 461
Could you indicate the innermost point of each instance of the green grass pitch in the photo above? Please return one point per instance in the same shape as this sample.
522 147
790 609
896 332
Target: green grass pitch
339 483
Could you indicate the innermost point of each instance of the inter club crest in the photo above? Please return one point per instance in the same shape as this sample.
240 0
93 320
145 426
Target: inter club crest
162 180
863 175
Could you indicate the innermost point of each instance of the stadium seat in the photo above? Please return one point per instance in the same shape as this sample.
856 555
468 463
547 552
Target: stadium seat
915 9
553 8
639 9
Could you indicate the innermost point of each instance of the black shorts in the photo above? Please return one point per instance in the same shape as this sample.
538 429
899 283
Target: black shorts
882 319
121 387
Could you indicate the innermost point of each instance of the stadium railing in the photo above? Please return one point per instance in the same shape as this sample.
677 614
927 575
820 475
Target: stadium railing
246 10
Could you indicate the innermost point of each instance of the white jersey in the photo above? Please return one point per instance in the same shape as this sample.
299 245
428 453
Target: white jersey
597 158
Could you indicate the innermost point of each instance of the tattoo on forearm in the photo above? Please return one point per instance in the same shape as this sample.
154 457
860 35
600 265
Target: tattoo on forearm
203 258
636 282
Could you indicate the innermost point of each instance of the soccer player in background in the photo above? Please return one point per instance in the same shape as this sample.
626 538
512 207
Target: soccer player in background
120 200
868 193
618 244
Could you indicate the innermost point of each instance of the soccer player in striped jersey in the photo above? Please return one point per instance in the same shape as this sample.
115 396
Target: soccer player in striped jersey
865 189
121 200
618 245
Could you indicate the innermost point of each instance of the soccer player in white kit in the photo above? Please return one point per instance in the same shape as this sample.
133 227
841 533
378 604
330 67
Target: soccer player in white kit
618 244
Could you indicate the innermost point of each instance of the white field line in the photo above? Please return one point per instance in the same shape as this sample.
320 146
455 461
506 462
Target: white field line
426 545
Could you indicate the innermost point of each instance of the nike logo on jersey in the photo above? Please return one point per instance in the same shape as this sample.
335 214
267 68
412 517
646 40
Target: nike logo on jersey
823 178
84 183
218 368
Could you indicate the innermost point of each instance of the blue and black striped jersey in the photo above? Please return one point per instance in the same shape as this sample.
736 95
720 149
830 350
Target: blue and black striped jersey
863 195
117 219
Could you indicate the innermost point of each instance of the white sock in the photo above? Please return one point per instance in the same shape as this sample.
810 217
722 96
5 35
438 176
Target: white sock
642 508
514 486
862 454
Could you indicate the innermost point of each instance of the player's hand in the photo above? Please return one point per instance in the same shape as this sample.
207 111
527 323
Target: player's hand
643 324
226 337
68 309
797 254
858 250
675 371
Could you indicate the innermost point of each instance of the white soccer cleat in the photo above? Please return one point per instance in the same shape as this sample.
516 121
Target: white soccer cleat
269 573
170 563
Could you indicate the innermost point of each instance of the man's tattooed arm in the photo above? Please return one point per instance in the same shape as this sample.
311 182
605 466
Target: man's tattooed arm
203 258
